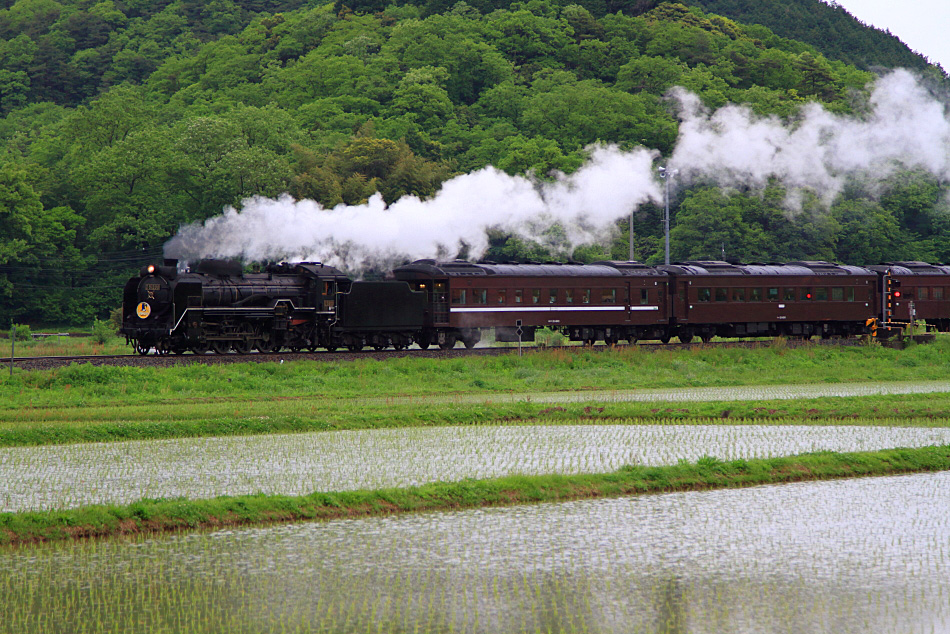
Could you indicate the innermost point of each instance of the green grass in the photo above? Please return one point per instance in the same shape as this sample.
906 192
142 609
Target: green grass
575 370
63 346
84 403
118 424
707 473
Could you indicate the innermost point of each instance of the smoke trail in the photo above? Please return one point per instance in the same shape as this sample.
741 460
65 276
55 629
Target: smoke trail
355 237
904 127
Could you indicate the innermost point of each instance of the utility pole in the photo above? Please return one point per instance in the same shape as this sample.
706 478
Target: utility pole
666 174
631 235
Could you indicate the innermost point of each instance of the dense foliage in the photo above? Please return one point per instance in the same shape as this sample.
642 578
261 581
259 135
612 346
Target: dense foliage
123 120
826 26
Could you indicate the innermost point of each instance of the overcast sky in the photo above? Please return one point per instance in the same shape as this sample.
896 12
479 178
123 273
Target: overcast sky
923 25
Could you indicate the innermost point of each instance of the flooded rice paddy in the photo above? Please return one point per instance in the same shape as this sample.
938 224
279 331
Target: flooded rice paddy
687 394
98 473
865 555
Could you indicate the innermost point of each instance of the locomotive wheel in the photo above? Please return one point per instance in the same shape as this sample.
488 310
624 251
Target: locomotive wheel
201 347
399 346
685 338
163 348
449 342
221 347
141 348
354 347
331 348
266 343
469 342
242 346
665 339
378 347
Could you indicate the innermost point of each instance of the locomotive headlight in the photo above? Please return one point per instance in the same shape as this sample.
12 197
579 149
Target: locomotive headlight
151 269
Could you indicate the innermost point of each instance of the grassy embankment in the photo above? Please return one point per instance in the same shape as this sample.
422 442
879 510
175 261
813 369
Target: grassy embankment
707 473
82 403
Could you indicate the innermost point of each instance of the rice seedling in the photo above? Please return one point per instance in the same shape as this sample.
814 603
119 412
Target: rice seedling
67 476
842 556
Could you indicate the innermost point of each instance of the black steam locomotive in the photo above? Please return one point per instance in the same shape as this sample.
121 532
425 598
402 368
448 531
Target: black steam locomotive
216 306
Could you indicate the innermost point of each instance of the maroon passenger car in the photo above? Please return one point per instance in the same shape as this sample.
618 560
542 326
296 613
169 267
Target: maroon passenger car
605 301
798 299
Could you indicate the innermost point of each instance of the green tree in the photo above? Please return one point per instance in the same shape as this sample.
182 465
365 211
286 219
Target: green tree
869 233
581 113
710 223
16 56
537 155
358 169
421 96
650 74
527 37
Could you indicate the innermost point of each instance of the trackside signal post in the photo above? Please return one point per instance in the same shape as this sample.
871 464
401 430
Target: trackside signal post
892 294
887 326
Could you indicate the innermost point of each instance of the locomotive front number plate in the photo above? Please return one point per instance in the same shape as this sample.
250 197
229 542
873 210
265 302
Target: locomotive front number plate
143 310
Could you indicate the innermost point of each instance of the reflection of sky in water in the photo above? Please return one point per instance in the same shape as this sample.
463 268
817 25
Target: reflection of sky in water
865 555
298 464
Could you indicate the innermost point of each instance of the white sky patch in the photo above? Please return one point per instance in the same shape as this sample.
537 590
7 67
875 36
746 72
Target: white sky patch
920 24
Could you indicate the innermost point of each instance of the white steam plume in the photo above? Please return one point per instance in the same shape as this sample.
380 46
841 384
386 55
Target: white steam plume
585 203
904 126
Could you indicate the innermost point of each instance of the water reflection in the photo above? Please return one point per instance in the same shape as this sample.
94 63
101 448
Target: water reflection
850 556
299 464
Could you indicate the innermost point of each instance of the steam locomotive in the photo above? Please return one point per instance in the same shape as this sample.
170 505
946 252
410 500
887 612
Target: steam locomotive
216 306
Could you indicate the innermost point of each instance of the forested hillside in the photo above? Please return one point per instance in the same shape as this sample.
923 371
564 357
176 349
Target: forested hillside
828 27
121 121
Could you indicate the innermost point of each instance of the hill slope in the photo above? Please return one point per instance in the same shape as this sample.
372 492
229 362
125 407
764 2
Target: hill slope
166 113
829 28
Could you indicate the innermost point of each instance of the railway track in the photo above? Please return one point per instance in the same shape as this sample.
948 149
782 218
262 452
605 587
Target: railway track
135 360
